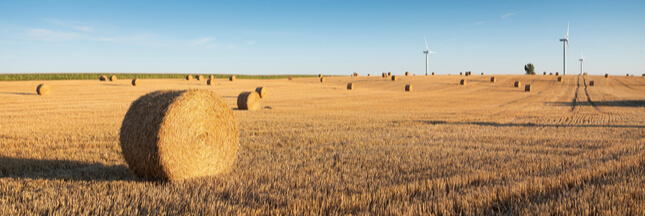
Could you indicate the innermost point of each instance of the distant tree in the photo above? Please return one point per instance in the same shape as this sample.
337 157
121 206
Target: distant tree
530 70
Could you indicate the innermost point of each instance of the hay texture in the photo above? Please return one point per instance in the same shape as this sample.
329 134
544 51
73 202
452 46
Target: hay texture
177 135
559 79
493 79
350 86
322 79
103 78
320 75
43 89
408 88
407 73
384 75
231 78
527 88
135 82
517 84
189 77
248 101
211 77
463 82
262 91
113 78
199 77
394 78
210 82
592 83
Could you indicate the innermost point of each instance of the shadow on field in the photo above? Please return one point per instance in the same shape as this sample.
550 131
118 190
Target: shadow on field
495 124
620 103
62 170
18 93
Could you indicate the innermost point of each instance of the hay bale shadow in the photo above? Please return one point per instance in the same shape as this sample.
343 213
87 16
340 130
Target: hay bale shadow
18 93
28 168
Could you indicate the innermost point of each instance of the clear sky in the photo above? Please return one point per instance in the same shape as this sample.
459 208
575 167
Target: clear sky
312 37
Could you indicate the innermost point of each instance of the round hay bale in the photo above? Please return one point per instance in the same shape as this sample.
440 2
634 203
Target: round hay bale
355 74
262 92
248 101
463 82
584 74
389 73
43 89
177 135
432 73
290 78
592 83
199 77
189 77
384 75
394 78
551 73
211 77
493 79
103 78
606 75
320 75
407 73
627 74
517 84
557 73
461 73
231 78
482 73
368 74
210 82
544 73
350 86
135 82
322 79
408 88
527 88
559 79
113 78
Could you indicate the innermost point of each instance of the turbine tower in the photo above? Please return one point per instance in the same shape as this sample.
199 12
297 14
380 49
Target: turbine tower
565 44
582 60
427 51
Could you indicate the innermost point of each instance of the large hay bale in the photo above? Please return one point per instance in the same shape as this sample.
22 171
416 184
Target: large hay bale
407 73
384 75
350 86
135 82
606 75
189 77
394 78
592 83
103 78
113 78
517 84
493 79
322 79
177 135
231 78
463 82
210 82
248 101
199 77
408 88
527 88
43 89
262 91
290 78
211 77
560 79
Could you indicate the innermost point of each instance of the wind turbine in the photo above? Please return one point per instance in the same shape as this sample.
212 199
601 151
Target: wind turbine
427 51
565 44
582 59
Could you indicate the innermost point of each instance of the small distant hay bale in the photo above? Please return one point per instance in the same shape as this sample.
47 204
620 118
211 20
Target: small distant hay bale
517 84
368 74
350 86
384 75
211 77
262 91
210 82
189 77
320 75
322 79
407 73
606 75
355 74
461 73
248 101
592 83
482 73
408 88
627 74
551 73
463 82
560 79
103 78
394 78
527 88
290 78
177 135
432 73
557 73
135 82
43 89
584 74
389 73
112 78
231 78
544 73
644 74
493 79
199 77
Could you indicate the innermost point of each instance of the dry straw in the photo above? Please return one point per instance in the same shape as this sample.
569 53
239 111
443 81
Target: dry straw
493 79
189 77
210 82
248 101
394 78
463 82
517 84
592 83
43 89
211 77
135 82
262 91
408 88
527 88
322 79
177 135
407 73
350 86
231 78
606 75
103 78
199 77
384 75
559 79
113 78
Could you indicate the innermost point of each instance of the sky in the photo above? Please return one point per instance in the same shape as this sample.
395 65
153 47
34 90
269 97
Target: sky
313 37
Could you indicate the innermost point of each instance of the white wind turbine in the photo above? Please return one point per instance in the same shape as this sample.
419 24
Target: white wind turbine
427 51
582 60
565 44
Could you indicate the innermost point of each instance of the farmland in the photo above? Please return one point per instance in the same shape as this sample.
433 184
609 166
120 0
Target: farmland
318 148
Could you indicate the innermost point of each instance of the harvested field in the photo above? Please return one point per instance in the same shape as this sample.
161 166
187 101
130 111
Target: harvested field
318 149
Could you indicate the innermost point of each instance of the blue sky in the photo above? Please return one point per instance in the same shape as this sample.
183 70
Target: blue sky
312 37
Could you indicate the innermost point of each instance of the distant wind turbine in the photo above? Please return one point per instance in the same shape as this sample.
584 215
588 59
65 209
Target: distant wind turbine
565 44
427 51
582 60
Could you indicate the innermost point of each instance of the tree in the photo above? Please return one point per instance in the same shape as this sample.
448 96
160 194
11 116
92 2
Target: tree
530 70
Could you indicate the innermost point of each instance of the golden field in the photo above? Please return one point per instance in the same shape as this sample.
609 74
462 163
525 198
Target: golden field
320 149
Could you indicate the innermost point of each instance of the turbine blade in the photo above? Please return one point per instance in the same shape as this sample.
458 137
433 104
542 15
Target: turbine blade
431 52
424 38
567 30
